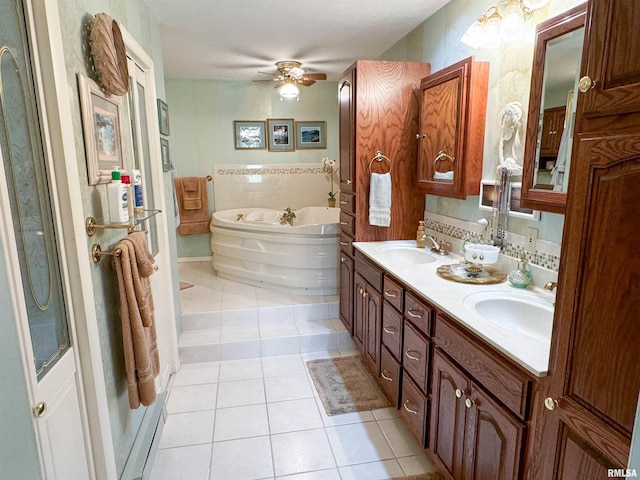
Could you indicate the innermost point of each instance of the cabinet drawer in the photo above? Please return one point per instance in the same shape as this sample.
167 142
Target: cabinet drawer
419 313
370 273
347 224
390 372
346 244
393 293
413 409
348 203
415 355
496 373
392 330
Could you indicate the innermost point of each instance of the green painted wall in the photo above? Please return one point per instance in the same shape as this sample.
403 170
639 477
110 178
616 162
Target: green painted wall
437 41
202 114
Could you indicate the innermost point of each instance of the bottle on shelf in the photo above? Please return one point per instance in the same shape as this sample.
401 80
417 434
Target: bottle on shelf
138 199
126 180
117 198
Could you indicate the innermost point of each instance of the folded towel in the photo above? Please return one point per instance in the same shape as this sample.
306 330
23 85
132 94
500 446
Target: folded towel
193 203
380 199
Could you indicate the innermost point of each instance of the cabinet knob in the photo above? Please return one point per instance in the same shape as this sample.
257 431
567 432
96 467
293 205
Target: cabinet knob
39 409
458 393
550 403
468 403
585 84
348 182
420 136
360 291
344 244
341 259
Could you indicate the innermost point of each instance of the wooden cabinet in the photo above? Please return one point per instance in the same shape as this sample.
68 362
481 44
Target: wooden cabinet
368 312
451 133
584 417
346 292
471 434
552 128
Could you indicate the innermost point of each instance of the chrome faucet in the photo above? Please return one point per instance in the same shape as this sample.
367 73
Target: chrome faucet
287 217
439 247
549 286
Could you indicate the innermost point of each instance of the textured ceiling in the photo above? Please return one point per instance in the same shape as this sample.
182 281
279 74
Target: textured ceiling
235 40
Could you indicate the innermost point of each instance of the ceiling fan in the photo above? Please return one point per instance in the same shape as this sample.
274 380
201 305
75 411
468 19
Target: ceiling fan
290 75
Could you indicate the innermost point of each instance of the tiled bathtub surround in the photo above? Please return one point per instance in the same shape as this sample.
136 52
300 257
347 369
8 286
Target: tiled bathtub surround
546 256
270 186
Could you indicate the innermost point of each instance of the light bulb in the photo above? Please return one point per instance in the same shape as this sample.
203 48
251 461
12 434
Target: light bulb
512 20
289 90
491 35
473 35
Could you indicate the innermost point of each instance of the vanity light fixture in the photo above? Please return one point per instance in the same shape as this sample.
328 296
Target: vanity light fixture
289 89
500 22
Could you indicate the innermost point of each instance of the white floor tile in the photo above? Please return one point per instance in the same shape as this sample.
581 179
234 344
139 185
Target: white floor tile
245 459
385 413
331 474
241 392
241 422
203 320
294 415
182 463
307 327
283 365
239 318
196 374
190 428
240 370
192 398
238 334
299 452
199 337
240 350
279 346
287 387
372 471
400 439
416 465
275 315
358 443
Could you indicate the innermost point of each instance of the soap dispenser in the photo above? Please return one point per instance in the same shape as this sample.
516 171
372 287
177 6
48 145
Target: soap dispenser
522 276
421 236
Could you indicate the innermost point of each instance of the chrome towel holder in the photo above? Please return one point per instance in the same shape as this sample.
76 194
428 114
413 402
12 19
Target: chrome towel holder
379 157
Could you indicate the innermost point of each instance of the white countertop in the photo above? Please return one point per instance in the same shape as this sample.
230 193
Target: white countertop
447 296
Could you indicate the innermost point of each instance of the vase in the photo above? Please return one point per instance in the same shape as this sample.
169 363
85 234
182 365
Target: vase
331 202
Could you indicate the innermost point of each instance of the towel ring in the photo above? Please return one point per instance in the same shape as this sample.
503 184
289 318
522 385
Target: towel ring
442 156
379 157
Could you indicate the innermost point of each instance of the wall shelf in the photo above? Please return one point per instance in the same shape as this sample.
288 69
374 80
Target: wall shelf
91 226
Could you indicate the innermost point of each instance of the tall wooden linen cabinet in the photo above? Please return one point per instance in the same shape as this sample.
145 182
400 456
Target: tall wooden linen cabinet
583 418
378 109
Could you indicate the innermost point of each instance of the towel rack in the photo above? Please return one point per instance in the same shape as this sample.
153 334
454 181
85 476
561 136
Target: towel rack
379 157
97 252
209 178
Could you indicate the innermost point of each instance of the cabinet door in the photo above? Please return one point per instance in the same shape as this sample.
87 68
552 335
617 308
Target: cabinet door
493 440
373 302
612 60
347 115
359 310
346 291
448 414
552 128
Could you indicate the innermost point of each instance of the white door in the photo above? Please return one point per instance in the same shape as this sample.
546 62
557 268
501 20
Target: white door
145 153
28 230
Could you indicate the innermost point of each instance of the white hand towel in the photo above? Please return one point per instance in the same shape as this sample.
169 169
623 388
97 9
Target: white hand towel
380 199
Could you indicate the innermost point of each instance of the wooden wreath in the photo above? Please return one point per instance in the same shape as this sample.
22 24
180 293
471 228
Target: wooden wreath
109 55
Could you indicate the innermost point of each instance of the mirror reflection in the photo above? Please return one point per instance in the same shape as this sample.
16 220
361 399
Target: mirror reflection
557 111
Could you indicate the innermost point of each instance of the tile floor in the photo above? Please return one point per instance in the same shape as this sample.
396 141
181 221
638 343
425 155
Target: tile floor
261 418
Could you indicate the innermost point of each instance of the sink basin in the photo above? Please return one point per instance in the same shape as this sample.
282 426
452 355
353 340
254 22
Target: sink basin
521 313
407 254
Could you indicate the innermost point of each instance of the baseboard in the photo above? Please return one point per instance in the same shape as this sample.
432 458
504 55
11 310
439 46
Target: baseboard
143 452
194 259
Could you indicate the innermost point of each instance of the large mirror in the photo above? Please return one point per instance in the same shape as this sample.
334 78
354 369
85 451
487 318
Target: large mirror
552 108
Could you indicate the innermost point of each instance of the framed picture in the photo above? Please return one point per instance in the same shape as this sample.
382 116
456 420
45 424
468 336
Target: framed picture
281 134
488 193
249 135
311 135
163 117
101 125
164 151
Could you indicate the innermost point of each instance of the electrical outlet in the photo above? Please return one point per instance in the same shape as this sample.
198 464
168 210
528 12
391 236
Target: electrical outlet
532 239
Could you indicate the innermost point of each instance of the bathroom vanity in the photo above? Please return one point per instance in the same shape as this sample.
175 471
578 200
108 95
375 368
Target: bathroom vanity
463 385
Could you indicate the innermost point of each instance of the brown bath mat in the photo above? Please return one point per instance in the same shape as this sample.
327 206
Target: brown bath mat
422 476
345 385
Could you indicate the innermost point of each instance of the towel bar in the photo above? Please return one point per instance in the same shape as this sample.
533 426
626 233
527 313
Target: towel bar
97 252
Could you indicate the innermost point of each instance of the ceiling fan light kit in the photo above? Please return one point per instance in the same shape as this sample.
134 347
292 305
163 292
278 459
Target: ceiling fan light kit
290 75
288 89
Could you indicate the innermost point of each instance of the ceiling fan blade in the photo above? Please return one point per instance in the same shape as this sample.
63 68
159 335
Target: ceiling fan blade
307 82
316 76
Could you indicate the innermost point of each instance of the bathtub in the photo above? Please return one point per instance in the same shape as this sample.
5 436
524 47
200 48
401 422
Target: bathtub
251 246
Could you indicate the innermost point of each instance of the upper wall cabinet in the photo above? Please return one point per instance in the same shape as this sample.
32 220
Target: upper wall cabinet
552 111
451 133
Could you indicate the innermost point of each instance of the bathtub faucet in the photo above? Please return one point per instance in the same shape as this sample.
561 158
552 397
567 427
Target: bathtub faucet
287 217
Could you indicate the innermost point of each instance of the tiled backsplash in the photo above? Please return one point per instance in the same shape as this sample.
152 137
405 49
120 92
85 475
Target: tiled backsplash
272 186
547 254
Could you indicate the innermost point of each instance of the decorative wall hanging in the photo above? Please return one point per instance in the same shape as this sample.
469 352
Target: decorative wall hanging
249 135
101 123
281 134
163 117
510 148
311 135
109 55
166 158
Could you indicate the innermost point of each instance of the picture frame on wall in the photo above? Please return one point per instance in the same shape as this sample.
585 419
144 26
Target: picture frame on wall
102 130
281 134
164 152
310 135
249 135
488 192
163 117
